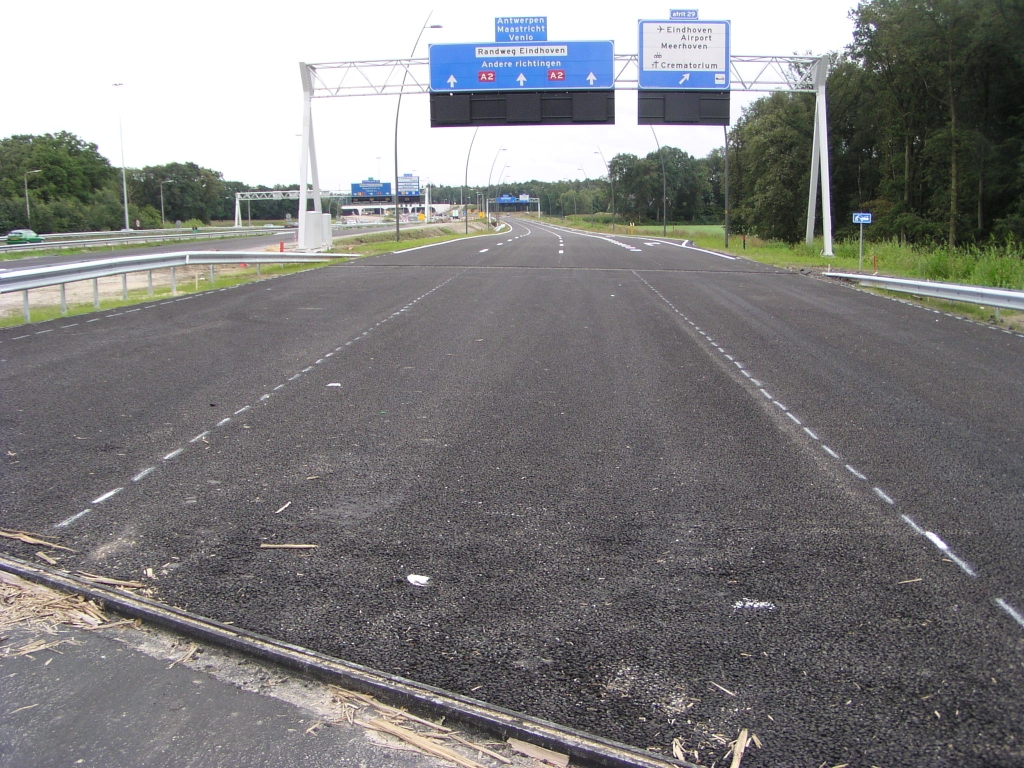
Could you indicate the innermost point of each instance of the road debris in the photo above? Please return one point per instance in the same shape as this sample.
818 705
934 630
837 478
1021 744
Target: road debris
28 538
418 581
289 546
721 688
192 649
95 578
539 753
419 741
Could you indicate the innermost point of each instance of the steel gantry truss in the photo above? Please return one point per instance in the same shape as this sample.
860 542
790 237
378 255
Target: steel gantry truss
392 77
276 194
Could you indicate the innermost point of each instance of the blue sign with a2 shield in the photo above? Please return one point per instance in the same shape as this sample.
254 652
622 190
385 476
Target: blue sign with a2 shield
521 29
371 188
684 55
862 218
522 66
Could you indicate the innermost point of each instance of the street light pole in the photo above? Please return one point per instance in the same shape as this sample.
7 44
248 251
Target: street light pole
664 188
28 212
465 180
398 109
163 221
487 212
611 181
124 180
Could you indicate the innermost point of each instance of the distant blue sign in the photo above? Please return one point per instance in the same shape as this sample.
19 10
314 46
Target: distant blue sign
688 15
518 66
521 29
372 188
685 55
862 218
508 199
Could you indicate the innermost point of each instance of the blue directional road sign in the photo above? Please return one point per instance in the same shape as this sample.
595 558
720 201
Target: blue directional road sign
684 55
581 65
862 218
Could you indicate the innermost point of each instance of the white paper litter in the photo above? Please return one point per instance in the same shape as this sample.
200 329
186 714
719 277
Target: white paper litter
334 384
418 581
753 605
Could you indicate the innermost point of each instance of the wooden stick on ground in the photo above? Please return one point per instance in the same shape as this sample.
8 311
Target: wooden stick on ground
738 749
426 745
28 538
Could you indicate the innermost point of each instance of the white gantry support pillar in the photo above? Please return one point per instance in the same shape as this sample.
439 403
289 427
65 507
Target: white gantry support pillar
310 237
238 211
820 161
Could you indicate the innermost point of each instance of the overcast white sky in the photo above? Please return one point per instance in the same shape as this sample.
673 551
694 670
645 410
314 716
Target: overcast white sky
217 83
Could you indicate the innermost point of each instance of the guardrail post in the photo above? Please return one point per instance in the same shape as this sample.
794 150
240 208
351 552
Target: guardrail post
95 293
24 305
257 269
124 286
150 280
211 276
174 284
63 300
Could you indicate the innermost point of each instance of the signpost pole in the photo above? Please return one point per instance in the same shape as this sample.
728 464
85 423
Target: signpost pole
860 259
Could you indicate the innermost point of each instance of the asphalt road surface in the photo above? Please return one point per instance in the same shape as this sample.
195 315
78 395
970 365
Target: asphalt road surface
659 493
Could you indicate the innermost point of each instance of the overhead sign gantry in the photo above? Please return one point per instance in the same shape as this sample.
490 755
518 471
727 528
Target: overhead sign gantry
665 94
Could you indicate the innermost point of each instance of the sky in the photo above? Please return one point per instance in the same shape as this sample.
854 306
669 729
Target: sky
217 83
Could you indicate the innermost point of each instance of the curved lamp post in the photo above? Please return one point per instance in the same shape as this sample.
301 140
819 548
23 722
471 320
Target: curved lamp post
664 188
487 213
398 109
611 181
28 212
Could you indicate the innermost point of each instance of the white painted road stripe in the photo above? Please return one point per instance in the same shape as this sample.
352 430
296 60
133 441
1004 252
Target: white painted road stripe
70 520
107 495
142 474
174 454
1014 613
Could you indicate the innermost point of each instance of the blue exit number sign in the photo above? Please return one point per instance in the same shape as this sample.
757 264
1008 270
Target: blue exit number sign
686 15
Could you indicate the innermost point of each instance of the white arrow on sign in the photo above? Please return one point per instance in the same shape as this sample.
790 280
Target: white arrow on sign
452 81
591 78
521 79
685 78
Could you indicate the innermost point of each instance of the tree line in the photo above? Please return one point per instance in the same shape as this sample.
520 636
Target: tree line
926 110
73 188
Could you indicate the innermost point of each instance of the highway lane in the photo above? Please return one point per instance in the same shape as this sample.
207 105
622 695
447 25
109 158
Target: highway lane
611 461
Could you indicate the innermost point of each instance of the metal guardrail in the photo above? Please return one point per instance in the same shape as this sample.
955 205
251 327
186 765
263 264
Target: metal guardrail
91 239
971 294
24 280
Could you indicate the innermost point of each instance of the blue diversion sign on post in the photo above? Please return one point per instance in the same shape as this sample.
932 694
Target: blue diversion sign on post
684 55
581 65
